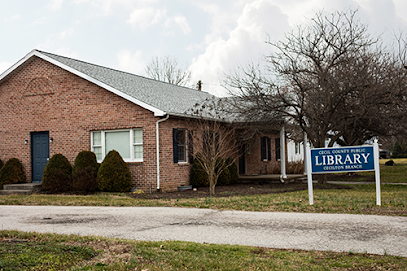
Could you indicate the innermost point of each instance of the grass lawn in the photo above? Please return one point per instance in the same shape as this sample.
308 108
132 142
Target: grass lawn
34 251
391 174
360 199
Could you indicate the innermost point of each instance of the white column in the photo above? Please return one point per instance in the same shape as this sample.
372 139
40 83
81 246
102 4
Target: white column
282 153
305 152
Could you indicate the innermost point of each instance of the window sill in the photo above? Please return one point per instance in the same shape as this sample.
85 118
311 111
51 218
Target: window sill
183 163
126 161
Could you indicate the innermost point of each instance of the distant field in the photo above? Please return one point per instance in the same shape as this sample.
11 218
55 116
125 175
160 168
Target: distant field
396 160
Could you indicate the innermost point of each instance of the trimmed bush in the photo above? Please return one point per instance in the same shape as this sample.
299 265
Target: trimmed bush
234 175
84 172
57 176
12 172
1 164
114 174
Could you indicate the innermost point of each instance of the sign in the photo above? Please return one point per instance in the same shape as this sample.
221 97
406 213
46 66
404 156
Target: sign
346 159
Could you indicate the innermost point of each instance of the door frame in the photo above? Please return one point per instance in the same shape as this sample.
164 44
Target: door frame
32 134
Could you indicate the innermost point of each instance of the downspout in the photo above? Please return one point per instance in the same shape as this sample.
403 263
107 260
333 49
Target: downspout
157 136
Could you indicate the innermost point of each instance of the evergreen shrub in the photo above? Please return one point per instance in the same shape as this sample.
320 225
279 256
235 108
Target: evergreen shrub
234 175
199 178
84 172
114 174
12 172
1 164
57 176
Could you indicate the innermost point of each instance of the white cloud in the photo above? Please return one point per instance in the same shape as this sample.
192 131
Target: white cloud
148 16
55 4
13 18
66 34
106 6
131 62
245 43
145 17
182 22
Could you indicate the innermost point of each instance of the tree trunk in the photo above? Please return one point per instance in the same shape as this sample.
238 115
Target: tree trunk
212 184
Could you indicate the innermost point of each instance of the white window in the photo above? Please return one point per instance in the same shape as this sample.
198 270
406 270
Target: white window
129 143
297 148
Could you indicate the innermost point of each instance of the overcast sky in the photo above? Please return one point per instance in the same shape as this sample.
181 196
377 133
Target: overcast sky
210 37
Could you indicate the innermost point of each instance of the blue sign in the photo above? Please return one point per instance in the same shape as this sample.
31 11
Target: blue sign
346 159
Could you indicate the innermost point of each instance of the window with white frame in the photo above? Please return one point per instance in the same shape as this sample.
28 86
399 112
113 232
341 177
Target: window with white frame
129 143
297 148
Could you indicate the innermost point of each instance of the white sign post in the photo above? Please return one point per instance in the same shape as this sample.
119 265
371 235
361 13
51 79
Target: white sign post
345 159
309 174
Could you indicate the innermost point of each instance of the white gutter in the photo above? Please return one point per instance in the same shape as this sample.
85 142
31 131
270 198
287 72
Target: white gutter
157 136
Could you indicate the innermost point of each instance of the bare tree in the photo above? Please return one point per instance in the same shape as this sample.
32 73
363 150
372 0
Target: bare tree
331 78
214 139
168 69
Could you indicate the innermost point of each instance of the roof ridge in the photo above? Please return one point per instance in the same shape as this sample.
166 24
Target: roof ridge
120 71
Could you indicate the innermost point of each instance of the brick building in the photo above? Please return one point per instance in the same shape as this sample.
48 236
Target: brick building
52 104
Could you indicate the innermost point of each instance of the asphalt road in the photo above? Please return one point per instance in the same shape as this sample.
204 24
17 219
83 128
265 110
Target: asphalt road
331 232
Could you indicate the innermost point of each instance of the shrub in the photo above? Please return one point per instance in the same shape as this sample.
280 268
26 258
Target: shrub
84 172
389 163
295 167
199 178
224 177
234 175
114 174
57 176
12 172
1 164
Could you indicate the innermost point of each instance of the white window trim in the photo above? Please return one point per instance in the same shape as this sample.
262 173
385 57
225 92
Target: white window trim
185 146
131 144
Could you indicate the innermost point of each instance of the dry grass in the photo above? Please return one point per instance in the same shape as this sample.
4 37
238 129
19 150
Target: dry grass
117 254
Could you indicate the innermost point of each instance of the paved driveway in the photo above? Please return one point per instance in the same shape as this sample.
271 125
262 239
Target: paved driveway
335 232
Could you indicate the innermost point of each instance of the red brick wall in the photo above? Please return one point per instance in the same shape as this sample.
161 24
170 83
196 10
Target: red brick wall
254 164
43 97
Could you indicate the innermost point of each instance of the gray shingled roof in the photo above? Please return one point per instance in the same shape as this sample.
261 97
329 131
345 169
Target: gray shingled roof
172 99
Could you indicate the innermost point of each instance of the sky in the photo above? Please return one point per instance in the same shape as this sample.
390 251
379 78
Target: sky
211 38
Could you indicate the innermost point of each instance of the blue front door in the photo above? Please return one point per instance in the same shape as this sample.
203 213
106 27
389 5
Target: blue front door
39 154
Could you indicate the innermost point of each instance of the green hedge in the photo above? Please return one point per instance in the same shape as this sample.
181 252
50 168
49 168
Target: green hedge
114 174
84 172
57 176
12 172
